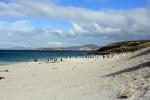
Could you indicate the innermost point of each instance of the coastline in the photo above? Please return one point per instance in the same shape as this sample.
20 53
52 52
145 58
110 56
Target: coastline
4 63
93 78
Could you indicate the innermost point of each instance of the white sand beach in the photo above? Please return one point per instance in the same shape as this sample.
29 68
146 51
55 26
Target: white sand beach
79 78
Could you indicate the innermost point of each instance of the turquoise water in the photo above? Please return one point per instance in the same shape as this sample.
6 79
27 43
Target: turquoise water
28 55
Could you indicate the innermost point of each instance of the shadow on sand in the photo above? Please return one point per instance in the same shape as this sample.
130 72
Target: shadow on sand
141 54
143 65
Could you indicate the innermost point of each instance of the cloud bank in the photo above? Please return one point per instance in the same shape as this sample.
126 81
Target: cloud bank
83 22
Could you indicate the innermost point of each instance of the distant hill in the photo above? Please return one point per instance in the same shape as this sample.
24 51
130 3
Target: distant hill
84 47
58 48
126 46
16 48
89 47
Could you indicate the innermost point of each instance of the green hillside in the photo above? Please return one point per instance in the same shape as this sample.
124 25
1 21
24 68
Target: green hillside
126 46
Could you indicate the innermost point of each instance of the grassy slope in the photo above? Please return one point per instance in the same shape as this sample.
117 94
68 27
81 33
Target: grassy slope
127 46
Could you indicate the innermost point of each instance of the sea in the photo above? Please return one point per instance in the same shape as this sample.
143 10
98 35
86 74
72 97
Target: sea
12 56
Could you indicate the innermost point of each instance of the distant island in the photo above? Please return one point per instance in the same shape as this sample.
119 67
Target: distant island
88 47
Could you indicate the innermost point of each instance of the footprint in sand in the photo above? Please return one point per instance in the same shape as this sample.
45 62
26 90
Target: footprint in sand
74 67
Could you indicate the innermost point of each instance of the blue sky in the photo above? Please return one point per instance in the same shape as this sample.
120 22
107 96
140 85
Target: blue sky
103 4
55 23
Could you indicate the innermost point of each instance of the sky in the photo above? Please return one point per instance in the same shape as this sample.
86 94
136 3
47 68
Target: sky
63 23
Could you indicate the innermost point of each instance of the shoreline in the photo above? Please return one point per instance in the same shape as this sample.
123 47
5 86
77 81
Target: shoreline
107 56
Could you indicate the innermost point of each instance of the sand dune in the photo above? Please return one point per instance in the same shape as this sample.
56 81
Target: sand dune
79 79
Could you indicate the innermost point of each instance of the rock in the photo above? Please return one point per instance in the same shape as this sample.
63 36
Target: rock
35 60
126 93
146 96
2 78
6 70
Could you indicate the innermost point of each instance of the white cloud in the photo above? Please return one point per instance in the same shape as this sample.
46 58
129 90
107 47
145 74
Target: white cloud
91 29
105 30
20 28
58 44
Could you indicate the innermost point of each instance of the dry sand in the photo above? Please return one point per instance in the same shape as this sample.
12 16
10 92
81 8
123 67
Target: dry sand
79 79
